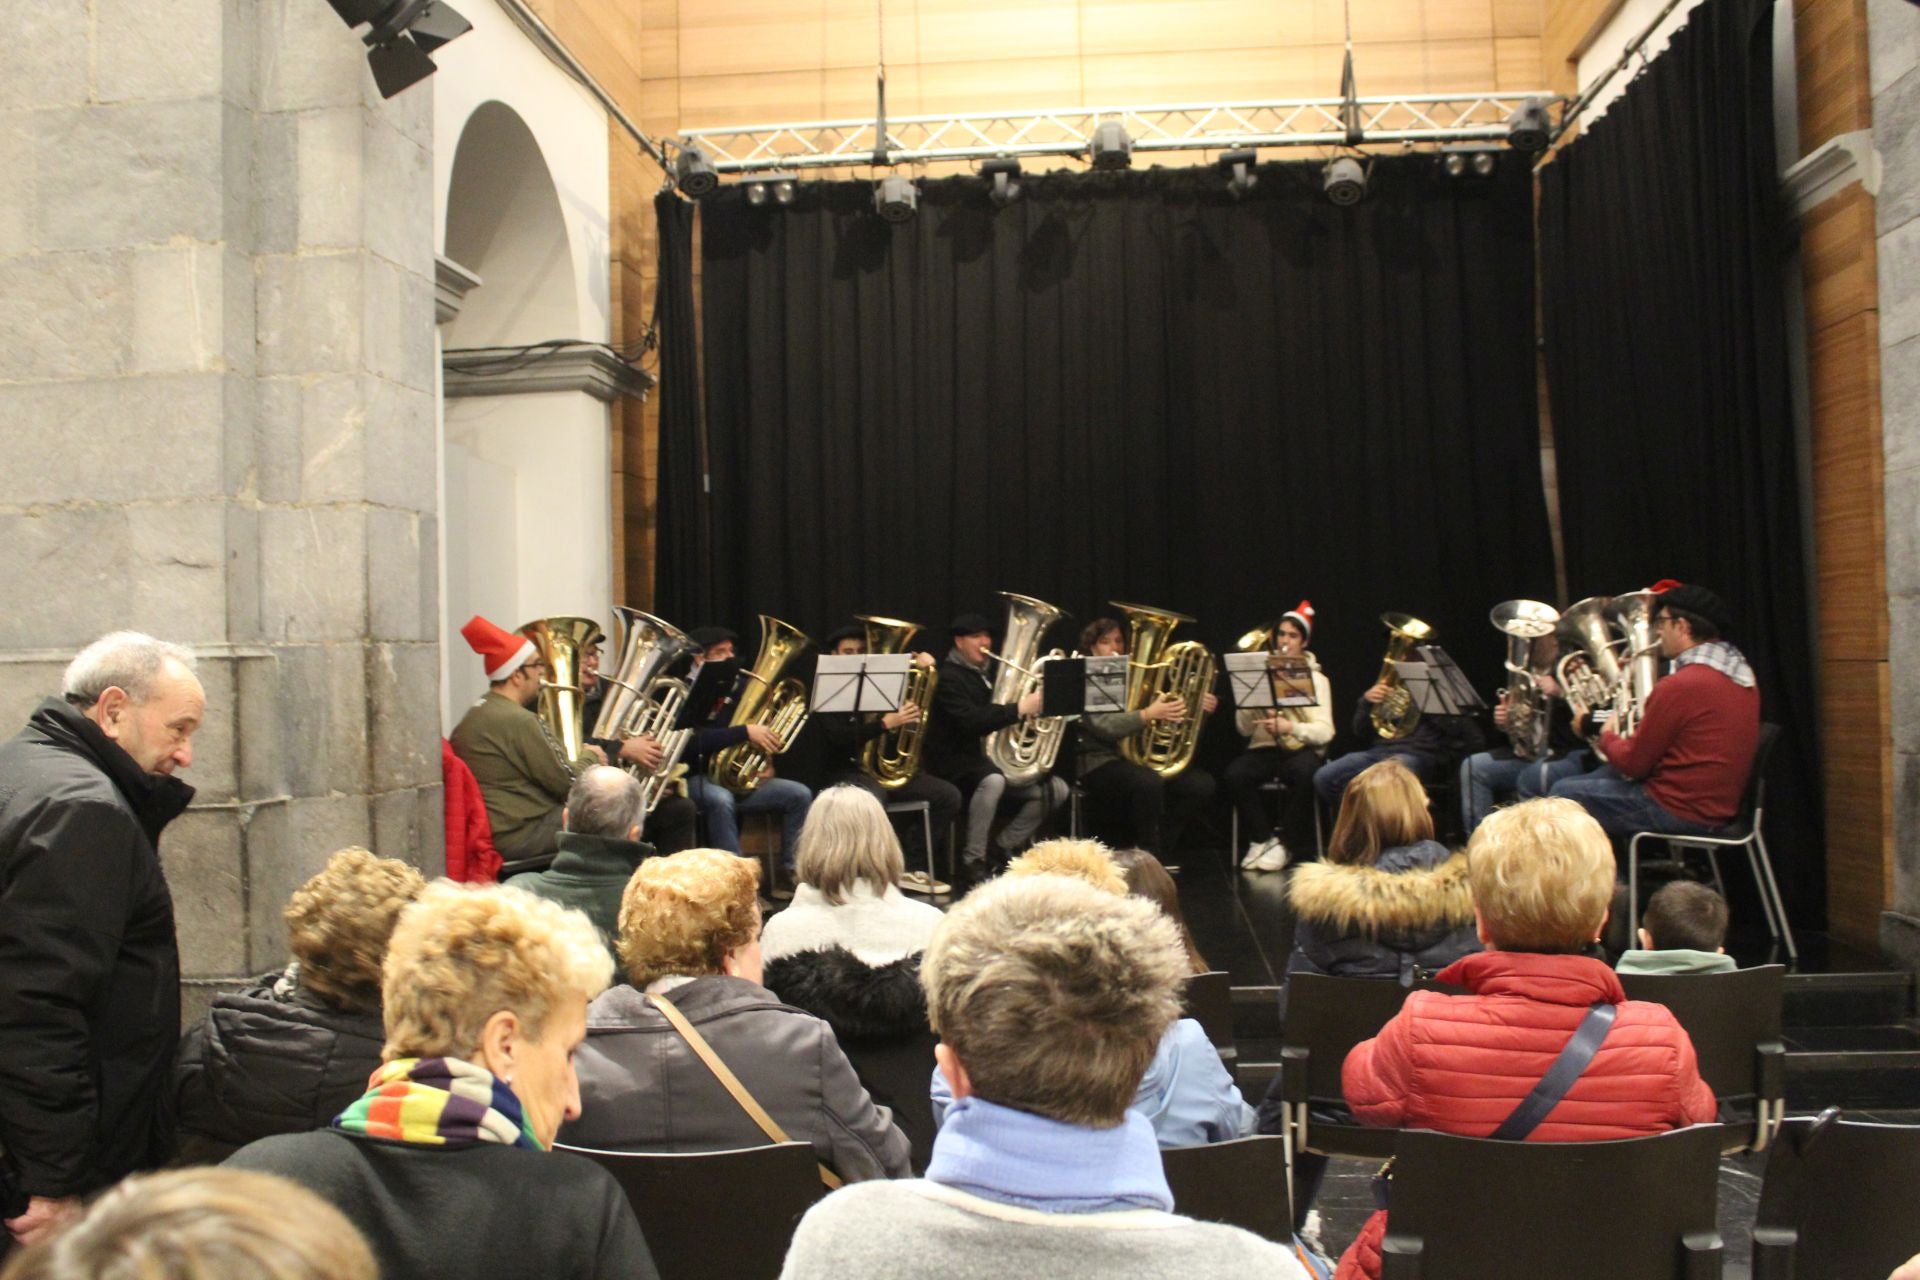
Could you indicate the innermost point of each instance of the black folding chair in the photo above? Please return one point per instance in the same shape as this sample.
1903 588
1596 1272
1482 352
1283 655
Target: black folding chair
1209 1001
1733 1020
1838 1200
716 1213
1476 1209
1242 1183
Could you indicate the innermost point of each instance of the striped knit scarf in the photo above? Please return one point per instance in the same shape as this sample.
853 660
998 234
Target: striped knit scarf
438 1101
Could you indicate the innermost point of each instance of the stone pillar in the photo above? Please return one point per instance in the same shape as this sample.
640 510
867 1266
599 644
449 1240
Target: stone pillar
216 389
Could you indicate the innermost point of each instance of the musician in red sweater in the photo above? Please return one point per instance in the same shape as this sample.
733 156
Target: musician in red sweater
1684 768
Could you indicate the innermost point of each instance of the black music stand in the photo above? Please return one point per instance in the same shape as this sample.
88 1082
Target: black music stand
1438 686
1083 686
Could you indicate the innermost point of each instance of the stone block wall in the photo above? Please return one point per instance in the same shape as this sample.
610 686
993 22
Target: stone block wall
217 402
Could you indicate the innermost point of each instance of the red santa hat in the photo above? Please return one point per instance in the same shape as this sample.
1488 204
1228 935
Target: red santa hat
1302 613
504 651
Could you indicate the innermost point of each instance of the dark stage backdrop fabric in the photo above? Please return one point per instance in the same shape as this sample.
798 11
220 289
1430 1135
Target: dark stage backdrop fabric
1663 244
1123 386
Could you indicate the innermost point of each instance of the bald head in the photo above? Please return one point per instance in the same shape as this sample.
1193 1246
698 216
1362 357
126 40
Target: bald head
605 801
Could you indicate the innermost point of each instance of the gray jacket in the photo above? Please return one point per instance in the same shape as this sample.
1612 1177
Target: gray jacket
643 1089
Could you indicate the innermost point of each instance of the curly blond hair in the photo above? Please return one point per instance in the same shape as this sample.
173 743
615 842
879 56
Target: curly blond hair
1542 875
1087 860
682 914
338 924
1055 994
463 953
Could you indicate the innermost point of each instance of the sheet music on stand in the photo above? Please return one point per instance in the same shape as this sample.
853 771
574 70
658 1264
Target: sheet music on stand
860 682
1437 685
1262 681
1083 686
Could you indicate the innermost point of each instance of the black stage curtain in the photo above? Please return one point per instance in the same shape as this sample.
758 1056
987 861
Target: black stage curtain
1663 244
683 558
1127 386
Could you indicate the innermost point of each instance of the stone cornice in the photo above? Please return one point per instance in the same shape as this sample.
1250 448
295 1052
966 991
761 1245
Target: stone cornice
508 371
451 285
1830 168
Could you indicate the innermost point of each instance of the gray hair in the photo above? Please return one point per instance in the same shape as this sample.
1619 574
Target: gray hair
129 660
848 839
605 801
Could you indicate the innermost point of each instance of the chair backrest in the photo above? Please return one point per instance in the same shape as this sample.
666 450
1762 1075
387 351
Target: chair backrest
1242 1183
1754 797
1733 1020
716 1213
1837 1200
1328 1016
1640 1207
1209 1001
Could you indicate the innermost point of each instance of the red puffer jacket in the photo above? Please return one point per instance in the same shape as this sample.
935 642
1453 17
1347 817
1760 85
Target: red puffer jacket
471 857
1461 1064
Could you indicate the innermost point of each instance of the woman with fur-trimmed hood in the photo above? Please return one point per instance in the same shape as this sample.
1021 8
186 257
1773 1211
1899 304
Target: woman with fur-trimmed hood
1389 898
847 950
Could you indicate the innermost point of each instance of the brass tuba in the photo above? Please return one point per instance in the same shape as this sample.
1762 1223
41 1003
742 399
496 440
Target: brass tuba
1526 624
644 701
1396 715
1632 616
1589 669
1025 750
560 642
893 758
1155 669
780 705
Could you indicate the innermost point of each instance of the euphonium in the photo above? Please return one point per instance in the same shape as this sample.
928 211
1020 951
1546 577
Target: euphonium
1526 623
780 705
644 701
1632 616
1157 669
1025 750
893 758
560 642
1588 670
1396 716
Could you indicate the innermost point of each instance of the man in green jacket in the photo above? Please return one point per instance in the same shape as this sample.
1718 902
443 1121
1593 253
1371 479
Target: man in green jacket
600 846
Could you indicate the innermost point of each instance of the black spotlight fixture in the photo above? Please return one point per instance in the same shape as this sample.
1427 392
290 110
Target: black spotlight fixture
1110 147
694 172
1454 163
1345 181
1483 163
1004 173
1530 128
400 35
777 186
1238 166
896 198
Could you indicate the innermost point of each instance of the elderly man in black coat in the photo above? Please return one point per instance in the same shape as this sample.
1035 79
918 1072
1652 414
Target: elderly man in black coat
89 966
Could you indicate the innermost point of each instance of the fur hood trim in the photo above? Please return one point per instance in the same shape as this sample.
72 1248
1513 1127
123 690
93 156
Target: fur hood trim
1369 901
858 1000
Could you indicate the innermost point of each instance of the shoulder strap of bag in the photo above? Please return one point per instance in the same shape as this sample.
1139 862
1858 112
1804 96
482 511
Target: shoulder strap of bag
1567 1068
724 1074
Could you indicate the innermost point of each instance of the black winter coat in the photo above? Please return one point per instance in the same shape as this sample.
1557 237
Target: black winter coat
89 967
270 1059
1410 910
964 713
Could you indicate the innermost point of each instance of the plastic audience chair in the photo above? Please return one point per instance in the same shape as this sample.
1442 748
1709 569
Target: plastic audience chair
1733 1020
1243 1183
1476 1209
1208 1000
1837 1200
716 1213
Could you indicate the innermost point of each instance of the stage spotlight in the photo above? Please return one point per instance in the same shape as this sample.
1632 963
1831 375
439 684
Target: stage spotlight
756 194
784 185
1239 167
1110 147
400 35
1005 173
694 172
1529 128
1483 163
779 186
896 198
1345 181
1455 164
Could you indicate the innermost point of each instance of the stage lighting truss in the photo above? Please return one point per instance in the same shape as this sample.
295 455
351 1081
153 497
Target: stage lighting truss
1430 121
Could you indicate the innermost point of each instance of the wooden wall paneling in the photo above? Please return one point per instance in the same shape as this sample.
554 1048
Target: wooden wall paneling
1457 19
1219 75
1518 17
767 98
1849 511
1171 26
982 30
1517 65
1859 797
1839 258
1457 66
1830 39
1008 82
1567 29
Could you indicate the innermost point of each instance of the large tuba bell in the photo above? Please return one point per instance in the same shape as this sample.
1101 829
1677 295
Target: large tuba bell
893 758
645 702
1156 669
1528 626
1025 750
1632 616
560 642
780 705
1396 715
1589 669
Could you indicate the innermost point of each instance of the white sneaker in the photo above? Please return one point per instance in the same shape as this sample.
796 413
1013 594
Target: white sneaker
1274 859
1254 853
920 882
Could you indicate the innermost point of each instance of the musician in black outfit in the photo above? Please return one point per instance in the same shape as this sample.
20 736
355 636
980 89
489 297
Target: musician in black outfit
670 824
846 735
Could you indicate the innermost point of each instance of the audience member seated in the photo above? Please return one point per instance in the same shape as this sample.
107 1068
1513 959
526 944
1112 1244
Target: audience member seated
1186 1093
1148 877
444 1164
1541 874
1683 931
203 1224
1050 997
1388 899
690 938
1908 1270
289 1053
599 847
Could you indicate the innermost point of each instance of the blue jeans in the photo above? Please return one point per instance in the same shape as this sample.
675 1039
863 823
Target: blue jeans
1487 780
1330 779
722 809
1533 784
1622 806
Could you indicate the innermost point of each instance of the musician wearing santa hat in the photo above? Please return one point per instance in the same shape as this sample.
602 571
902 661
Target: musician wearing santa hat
523 774
1284 743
